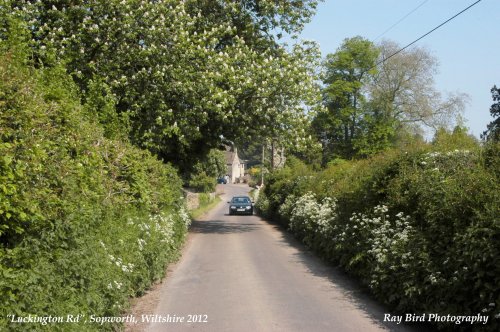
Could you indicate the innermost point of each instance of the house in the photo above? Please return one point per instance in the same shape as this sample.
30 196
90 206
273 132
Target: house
235 166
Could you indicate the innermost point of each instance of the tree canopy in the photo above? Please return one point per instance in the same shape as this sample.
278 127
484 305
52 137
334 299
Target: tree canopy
404 90
374 98
179 74
345 71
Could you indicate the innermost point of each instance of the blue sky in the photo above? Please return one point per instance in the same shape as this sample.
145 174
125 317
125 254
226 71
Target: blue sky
467 48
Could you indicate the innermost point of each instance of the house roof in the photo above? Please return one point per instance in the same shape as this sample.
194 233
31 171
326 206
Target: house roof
231 154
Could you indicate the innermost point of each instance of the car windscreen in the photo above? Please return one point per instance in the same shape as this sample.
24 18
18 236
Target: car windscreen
241 200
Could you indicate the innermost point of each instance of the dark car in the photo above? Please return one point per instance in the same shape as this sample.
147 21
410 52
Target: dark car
241 205
222 180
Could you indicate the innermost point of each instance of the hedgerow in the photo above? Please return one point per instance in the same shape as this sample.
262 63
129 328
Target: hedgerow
85 221
419 228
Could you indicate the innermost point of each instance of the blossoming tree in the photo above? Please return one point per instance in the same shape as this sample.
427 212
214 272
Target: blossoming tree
179 74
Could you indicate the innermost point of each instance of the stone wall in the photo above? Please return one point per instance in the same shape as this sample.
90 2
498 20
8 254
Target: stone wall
192 200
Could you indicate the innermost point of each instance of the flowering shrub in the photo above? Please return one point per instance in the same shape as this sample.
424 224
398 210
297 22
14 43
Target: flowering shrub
392 252
420 228
181 72
309 219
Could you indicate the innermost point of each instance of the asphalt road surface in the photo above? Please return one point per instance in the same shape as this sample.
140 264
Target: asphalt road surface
241 273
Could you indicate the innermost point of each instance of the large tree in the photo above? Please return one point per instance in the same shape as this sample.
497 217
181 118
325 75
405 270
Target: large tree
378 95
180 74
403 90
345 71
493 131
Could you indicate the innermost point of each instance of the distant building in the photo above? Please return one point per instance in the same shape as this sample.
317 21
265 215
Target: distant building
235 166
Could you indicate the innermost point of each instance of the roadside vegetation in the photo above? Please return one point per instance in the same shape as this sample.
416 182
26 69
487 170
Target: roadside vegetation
415 221
206 204
418 227
86 221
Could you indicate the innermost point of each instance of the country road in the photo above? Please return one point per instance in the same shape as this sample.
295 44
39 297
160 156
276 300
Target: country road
240 273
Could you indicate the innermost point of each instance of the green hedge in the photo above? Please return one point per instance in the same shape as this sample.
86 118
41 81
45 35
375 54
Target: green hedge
420 228
85 221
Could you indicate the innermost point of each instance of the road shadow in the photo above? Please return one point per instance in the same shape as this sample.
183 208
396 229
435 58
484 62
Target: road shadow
351 288
221 227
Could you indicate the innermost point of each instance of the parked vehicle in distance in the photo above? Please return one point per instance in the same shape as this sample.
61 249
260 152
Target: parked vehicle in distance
222 180
240 205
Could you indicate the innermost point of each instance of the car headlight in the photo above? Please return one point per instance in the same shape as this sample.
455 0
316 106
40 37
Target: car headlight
233 207
249 207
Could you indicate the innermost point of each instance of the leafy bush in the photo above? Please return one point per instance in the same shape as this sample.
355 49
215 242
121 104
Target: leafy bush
205 172
204 199
202 182
419 228
85 221
255 176
291 180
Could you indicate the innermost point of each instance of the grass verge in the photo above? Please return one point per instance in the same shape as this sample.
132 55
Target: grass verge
196 213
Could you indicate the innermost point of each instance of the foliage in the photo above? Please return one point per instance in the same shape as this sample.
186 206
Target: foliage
345 71
202 182
213 164
376 97
101 105
493 131
418 227
255 176
85 221
181 73
376 133
255 171
288 181
206 204
492 157
445 140
403 91
263 16
205 172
